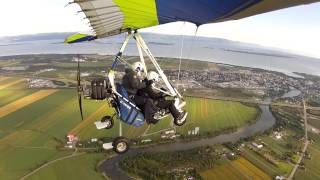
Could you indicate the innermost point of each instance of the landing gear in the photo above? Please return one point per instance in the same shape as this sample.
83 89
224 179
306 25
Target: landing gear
108 121
181 120
105 123
120 145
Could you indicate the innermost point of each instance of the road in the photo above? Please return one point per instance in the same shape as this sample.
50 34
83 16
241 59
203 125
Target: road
306 142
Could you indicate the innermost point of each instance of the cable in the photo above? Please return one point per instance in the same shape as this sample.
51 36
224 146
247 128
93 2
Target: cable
181 52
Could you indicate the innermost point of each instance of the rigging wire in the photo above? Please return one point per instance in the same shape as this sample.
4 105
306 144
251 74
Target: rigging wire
189 52
181 53
194 38
171 50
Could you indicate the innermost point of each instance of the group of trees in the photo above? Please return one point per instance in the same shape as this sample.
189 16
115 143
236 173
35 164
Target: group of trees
170 165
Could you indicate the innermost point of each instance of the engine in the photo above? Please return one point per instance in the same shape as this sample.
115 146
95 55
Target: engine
100 89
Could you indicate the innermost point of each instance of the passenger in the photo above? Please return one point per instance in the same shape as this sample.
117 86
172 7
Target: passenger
132 82
159 98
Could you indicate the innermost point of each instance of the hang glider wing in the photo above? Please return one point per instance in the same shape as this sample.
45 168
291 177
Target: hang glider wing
111 17
79 38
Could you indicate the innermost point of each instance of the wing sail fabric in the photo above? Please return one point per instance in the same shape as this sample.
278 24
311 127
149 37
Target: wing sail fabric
111 17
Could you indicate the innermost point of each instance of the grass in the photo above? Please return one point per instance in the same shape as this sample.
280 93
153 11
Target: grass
8 95
280 146
209 115
29 136
237 169
261 163
314 123
18 104
214 115
312 170
80 167
13 83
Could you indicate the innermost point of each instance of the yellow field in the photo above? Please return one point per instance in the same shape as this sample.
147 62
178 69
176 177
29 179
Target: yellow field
93 117
238 169
16 105
10 84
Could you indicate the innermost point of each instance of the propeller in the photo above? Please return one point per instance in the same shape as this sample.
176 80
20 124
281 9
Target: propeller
79 89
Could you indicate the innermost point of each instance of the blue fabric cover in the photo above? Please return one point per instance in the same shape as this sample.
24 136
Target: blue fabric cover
128 113
199 11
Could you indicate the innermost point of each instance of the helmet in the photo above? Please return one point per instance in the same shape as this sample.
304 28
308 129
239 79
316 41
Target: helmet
153 76
138 67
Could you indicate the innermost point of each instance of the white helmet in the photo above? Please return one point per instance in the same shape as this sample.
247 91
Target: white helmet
153 76
138 67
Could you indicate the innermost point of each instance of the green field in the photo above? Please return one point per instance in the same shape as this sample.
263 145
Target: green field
79 167
8 95
29 137
261 163
209 115
214 115
312 170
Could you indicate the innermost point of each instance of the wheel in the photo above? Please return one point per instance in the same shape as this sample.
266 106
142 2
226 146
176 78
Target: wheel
120 145
180 122
108 121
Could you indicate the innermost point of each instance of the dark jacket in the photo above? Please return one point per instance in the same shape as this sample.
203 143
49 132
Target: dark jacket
131 82
150 92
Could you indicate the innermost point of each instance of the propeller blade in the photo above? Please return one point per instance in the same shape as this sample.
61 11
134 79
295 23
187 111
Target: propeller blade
80 105
79 89
78 74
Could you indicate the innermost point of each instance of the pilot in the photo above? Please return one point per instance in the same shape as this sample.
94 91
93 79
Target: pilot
132 81
159 98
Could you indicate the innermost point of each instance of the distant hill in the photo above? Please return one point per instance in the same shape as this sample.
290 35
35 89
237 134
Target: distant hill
198 48
36 37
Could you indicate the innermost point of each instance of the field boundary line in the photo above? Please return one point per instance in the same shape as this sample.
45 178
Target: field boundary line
51 162
11 84
18 104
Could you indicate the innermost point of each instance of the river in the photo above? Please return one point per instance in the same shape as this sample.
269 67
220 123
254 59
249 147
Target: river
266 121
292 93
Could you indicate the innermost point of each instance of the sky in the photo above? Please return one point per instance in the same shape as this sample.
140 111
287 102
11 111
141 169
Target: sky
295 29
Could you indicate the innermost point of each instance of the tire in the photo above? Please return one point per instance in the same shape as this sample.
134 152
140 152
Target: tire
120 145
178 123
108 119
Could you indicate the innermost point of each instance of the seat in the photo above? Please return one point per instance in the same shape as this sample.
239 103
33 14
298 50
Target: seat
129 113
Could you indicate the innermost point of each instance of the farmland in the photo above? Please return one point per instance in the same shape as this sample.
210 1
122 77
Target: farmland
237 169
310 169
30 135
34 132
78 167
209 116
214 115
